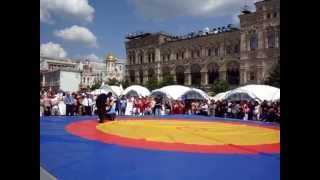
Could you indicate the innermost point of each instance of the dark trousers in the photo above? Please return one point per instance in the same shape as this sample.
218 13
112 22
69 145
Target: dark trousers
110 116
47 111
87 110
123 110
69 109
100 114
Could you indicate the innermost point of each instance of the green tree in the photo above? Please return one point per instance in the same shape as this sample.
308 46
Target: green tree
152 83
274 77
125 84
95 86
220 86
113 81
166 80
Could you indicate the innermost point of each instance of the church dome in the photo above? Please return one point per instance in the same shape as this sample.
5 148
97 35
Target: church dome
110 57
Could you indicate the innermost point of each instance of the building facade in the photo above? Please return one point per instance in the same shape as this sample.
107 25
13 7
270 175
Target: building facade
115 69
260 41
65 80
239 56
90 72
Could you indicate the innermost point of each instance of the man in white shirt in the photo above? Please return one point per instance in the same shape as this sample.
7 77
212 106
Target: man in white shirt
87 104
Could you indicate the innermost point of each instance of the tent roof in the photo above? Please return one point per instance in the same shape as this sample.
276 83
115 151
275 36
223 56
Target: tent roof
140 90
117 90
195 93
220 96
261 92
172 91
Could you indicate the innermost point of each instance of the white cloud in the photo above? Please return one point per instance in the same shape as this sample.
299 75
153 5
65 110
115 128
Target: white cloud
52 50
73 9
92 57
165 9
77 34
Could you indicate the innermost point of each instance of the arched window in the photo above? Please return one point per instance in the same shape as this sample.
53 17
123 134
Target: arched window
213 73
180 75
140 58
271 39
149 58
228 50
209 53
131 74
163 58
165 71
153 57
252 76
198 53
236 49
195 74
216 51
233 73
254 41
141 76
150 74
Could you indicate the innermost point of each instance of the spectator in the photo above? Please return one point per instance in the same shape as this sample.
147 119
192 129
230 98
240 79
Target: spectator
70 104
87 104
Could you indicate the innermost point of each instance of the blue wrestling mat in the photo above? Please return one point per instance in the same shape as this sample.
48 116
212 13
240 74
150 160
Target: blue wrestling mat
71 157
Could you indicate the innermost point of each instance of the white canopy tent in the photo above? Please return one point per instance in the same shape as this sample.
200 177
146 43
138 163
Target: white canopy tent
195 93
136 90
171 92
220 96
117 90
254 92
99 91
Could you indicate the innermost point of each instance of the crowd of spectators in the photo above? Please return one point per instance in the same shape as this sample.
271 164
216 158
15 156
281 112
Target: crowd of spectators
84 104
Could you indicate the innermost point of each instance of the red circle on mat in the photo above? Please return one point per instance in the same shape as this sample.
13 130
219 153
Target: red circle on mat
87 129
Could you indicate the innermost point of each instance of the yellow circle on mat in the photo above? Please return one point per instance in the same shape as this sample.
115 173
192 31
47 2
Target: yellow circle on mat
192 132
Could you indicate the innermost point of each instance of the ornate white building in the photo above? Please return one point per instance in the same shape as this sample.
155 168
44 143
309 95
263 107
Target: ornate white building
91 72
115 69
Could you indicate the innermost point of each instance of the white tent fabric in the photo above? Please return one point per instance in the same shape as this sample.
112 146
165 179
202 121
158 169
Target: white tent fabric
172 92
99 91
117 90
276 97
195 93
258 92
136 90
220 96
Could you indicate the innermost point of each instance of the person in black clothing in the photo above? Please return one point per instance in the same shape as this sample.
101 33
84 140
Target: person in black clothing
101 106
157 107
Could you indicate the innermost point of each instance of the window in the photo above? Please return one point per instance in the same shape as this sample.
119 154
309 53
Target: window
252 76
149 58
198 53
168 57
209 52
153 57
140 59
228 50
236 49
271 39
182 55
274 14
177 56
268 16
216 51
254 41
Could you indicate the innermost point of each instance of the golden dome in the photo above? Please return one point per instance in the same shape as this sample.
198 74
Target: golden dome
110 57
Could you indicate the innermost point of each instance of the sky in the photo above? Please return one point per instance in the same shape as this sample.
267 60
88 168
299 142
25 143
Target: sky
92 28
